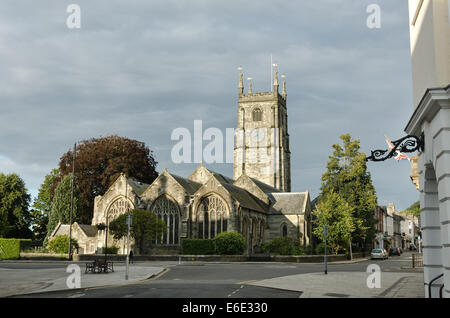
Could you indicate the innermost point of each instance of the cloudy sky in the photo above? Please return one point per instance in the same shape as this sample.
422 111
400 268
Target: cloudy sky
141 69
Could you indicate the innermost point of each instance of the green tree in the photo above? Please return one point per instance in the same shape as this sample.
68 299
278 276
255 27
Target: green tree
15 218
414 209
60 244
332 210
145 228
60 211
42 206
347 176
99 161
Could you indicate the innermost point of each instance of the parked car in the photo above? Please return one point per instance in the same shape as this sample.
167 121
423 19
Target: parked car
379 253
394 251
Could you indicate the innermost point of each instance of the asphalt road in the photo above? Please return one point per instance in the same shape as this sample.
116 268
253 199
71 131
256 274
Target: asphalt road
211 280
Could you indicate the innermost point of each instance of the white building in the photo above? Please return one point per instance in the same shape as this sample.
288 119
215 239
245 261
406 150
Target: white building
430 58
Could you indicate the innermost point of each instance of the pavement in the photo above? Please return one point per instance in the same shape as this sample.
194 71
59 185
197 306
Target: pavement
345 279
56 278
348 285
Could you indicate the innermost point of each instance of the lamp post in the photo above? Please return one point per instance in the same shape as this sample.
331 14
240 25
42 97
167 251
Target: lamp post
71 200
325 233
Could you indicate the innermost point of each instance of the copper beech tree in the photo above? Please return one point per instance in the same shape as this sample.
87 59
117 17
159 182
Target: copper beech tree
98 163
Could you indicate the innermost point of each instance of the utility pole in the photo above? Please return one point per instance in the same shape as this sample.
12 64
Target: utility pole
71 200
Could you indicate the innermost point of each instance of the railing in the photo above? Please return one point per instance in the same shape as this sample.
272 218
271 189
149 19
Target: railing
431 283
417 260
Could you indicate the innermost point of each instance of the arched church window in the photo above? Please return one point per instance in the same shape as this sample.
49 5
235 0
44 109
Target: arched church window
212 217
119 207
167 210
284 231
257 114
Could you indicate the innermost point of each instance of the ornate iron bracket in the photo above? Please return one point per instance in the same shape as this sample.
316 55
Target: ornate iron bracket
406 144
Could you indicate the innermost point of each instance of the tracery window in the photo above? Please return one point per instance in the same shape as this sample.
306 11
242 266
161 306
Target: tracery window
119 207
211 217
257 114
167 210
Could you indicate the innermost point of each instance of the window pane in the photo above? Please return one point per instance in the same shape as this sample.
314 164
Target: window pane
171 229
176 229
200 229
165 236
206 225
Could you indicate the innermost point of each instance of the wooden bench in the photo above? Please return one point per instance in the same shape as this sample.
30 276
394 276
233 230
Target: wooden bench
99 266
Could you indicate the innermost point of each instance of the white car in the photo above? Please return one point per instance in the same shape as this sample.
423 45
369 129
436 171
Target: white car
379 253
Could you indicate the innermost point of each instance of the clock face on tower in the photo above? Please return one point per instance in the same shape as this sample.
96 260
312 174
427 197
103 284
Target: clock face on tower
258 135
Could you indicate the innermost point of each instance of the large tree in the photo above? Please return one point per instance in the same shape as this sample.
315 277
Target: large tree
347 175
15 218
61 205
332 210
145 228
99 161
414 209
42 206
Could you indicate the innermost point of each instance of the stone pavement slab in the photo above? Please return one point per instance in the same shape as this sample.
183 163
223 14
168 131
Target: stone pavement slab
348 285
26 281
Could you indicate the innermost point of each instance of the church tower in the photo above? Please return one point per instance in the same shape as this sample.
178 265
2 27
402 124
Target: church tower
261 148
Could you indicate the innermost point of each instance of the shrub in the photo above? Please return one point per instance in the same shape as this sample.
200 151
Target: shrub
197 246
229 243
60 244
284 246
110 250
320 249
10 248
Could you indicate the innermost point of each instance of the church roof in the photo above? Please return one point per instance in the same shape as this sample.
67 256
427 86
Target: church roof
89 230
138 187
190 186
288 202
63 229
244 198
264 186
221 178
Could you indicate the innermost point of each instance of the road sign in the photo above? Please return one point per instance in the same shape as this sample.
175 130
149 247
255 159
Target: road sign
129 220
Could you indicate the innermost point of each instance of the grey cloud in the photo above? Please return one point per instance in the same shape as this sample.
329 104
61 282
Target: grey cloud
143 68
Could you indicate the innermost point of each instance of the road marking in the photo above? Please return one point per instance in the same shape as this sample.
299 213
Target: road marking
76 295
242 286
128 296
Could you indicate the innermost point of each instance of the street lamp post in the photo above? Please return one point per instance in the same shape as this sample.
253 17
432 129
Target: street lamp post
71 201
325 233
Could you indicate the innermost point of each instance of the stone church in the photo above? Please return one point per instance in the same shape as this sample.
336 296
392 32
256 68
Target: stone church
257 202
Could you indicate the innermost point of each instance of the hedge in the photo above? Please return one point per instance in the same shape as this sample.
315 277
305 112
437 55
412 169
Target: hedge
226 243
10 248
229 243
197 246
284 246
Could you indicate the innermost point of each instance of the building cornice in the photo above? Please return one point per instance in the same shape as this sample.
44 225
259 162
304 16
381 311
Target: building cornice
433 100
